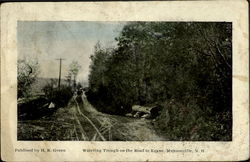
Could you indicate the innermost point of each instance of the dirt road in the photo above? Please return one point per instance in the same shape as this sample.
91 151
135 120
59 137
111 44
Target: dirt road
80 121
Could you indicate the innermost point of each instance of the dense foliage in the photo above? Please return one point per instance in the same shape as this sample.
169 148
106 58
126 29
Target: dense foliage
155 61
161 62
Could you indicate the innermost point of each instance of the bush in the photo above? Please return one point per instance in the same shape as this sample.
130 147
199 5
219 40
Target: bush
188 122
60 96
27 71
31 107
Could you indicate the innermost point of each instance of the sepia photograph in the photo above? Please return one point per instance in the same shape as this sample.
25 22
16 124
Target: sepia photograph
124 81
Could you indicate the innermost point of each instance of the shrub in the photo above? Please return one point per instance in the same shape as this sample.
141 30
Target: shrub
180 121
60 96
31 107
27 71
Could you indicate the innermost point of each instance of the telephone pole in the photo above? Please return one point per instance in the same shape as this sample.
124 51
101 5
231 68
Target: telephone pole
60 71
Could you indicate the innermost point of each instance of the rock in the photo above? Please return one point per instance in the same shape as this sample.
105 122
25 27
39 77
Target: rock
141 108
146 116
129 115
137 115
51 105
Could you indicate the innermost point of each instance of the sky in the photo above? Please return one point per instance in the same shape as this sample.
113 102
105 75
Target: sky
47 41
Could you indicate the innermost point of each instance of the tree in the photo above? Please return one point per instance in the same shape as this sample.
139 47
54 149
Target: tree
74 68
157 61
68 79
98 68
185 67
27 71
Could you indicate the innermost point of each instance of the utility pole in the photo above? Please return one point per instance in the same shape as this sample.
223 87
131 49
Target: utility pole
60 71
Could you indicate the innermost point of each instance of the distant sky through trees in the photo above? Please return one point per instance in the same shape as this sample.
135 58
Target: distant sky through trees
46 41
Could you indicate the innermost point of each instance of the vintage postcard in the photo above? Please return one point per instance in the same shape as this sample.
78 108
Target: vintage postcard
125 81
